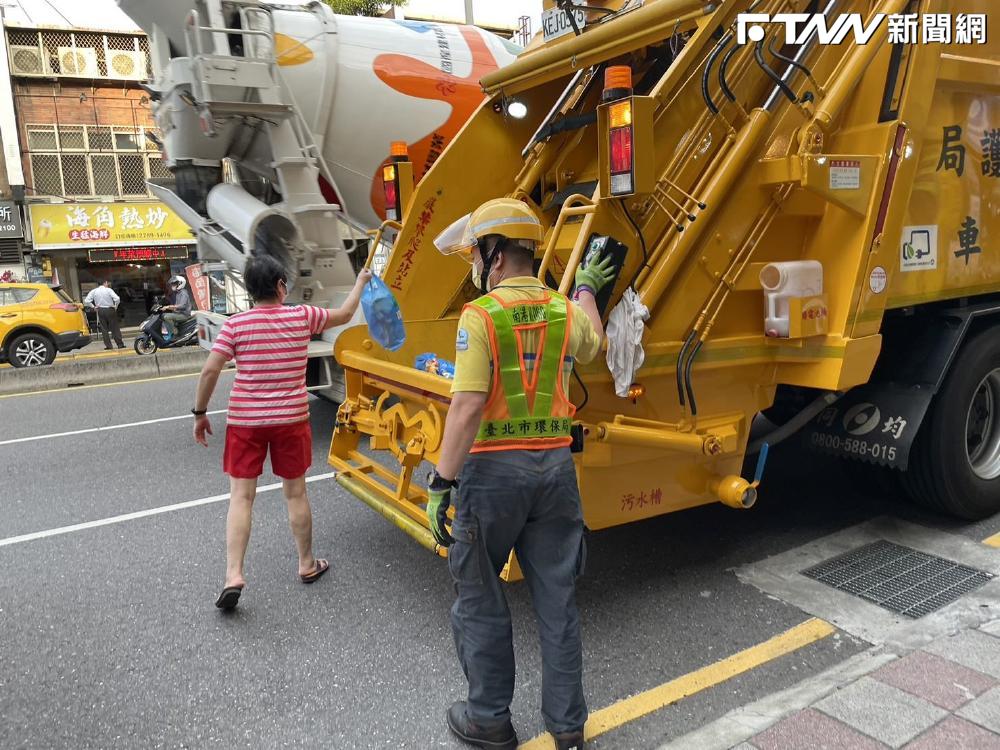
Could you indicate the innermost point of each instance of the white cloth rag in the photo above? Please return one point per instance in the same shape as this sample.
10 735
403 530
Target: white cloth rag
625 352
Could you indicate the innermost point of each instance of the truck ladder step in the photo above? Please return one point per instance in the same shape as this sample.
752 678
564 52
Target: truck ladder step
250 109
293 161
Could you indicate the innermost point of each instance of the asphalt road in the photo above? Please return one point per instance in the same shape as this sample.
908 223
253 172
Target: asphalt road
109 636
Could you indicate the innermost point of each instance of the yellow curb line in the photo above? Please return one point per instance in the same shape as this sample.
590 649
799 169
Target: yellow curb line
95 355
104 385
992 541
101 355
629 709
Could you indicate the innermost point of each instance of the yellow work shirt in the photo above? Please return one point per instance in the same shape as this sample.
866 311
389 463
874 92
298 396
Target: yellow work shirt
473 359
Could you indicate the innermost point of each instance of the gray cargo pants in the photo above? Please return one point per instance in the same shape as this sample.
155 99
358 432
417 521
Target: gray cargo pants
528 501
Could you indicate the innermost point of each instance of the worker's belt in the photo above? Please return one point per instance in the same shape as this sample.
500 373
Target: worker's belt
513 429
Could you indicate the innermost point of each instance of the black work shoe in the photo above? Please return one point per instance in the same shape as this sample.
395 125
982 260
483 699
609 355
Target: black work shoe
500 737
569 741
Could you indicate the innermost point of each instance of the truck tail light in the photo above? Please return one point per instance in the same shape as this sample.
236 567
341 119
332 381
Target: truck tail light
397 180
620 132
625 144
621 150
621 160
620 114
391 191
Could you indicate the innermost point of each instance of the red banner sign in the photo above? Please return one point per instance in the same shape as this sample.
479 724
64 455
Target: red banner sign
137 254
200 291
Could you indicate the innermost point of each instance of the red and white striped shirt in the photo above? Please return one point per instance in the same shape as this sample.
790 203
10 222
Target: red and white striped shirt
269 343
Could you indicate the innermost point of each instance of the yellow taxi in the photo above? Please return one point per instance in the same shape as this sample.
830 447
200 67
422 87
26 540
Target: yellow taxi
38 320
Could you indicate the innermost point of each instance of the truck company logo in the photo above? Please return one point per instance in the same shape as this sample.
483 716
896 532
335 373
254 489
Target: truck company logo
928 28
861 419
414 77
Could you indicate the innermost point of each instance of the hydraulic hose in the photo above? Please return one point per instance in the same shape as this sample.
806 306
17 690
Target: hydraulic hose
794 424
712 57
789 60
680 368
723 67
758 54
692 404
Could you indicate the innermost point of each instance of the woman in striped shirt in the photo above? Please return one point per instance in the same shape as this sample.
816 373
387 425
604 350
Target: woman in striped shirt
268 409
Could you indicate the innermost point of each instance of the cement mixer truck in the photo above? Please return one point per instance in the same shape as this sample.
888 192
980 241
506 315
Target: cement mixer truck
277 123
805 209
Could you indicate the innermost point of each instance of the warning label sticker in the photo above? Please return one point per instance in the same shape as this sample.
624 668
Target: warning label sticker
845 174
919 248
877 280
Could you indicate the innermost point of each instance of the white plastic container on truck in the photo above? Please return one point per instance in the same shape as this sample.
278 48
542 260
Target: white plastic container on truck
783 281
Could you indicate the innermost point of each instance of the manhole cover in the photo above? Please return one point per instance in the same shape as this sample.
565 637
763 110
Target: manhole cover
898 578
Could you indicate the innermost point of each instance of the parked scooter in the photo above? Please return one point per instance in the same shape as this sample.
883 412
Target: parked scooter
154 332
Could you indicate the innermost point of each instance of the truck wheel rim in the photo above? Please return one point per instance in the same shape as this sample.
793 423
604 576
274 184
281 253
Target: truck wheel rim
982 431
30 353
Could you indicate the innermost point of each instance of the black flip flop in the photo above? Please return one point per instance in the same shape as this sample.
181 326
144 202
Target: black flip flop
321 567
229 597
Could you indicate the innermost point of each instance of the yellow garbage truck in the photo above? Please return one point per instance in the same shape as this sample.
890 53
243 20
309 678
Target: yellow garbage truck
802 198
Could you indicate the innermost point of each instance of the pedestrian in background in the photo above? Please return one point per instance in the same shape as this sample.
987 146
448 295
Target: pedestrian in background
268 410
106 301
509 432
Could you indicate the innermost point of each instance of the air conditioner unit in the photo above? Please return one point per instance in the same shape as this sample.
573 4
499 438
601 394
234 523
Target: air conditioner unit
26 61
126 64
78 61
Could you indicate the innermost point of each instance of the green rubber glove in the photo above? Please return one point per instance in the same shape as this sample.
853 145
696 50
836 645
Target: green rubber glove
438 502
597 273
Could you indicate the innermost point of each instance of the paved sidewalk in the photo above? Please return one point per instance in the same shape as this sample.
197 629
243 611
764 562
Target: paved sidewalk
943 696
95 349
96 346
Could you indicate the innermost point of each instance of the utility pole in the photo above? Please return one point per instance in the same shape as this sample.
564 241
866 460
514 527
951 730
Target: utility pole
4 182
469 15
10 164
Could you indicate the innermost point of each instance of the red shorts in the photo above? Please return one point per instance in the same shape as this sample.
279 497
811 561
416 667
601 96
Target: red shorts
246 448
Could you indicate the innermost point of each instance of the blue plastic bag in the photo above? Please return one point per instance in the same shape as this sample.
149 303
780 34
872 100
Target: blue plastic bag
385 321
432 363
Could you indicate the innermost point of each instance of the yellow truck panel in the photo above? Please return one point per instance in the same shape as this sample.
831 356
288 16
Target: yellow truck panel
874 160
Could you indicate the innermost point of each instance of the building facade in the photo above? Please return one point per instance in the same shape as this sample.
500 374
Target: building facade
87 147
512 19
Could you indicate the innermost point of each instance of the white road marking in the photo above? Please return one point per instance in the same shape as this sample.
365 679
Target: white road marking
143 513
101 429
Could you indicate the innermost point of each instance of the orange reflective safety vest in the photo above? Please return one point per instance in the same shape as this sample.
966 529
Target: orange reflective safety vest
526 412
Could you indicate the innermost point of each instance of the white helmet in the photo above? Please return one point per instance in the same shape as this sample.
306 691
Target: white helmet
177 282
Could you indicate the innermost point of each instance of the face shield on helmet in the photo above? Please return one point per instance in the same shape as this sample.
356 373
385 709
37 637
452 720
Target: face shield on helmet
505 218
457 239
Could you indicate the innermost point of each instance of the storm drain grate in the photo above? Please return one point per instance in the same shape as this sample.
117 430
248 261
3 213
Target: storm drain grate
898 578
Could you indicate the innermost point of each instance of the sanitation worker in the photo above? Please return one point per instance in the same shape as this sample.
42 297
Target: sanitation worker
508 433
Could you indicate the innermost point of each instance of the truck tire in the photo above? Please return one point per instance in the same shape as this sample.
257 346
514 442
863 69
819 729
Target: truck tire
193 182
954 465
